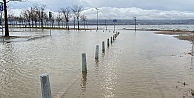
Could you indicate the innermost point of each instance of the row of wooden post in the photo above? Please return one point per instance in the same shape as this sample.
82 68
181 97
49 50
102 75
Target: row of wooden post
84 66
45 84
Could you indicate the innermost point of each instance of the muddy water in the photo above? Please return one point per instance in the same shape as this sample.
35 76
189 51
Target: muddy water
137 65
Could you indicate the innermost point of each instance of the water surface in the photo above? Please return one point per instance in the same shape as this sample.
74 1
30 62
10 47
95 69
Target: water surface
137 64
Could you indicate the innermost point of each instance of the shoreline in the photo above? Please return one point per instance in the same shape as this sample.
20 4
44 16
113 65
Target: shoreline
179 34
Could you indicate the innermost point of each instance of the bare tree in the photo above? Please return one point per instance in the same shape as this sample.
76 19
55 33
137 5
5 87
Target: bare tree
59 18
33 16
83 19
11 17
66 12
45 18
37 13
52 21
76 11
21 20
43 13
18 19
27 15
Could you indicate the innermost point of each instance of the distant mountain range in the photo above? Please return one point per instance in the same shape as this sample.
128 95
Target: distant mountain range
142 22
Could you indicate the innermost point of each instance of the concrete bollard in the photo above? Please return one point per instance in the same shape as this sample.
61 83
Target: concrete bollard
45 86
103 47
97 52
84 66
108 42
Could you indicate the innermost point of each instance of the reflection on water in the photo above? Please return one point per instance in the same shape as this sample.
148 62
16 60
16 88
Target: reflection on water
84 81
137 65
109 82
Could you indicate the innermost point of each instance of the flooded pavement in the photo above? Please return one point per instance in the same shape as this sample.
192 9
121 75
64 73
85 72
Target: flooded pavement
138 65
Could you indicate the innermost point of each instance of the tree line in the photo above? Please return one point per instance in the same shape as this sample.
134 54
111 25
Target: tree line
37 16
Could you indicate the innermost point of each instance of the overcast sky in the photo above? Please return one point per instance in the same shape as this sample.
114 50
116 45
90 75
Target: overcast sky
119 9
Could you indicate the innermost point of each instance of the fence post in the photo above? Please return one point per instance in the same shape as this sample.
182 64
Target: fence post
84 66
45 86
97 52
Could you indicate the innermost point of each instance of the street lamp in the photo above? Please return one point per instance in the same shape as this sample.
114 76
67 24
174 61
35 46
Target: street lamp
97 17
135 22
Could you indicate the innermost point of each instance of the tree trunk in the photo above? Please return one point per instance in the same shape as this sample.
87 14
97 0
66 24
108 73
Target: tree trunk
74 23
41 23
78 23
6 20
68 25
29 23
32 23
84 24
36 23
59 24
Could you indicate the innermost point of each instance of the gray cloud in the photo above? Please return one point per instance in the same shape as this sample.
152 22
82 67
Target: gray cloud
129 13
120 9
182 5
145 4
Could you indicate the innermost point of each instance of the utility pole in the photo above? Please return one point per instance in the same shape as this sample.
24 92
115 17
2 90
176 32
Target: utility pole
6 20
97 18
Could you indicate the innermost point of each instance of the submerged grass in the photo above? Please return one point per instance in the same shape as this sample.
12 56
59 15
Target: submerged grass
182 35
56 28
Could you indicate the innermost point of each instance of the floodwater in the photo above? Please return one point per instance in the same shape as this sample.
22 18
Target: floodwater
137 65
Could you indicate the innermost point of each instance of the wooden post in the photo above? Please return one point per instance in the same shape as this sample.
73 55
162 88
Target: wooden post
84 66
45 85
103 47
97 52
111 40
108 42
